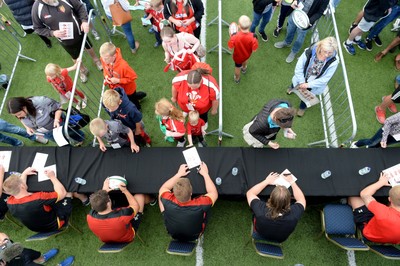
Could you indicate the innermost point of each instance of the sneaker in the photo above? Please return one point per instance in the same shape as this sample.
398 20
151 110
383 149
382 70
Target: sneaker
379 57
290 57
99 65
380 115
277 30
86 202
203 143
154 202
41 139
360 44
151 30
377 41
140 95
157 44
281 44
83 75
134 51
95 35
237 81
50 254
49 45
67 262
84 102
19 144
78 106
368 44
264 36
353 25
148 145
349 48
289 90
181 144
199 145
300 112
353 145
392 108
243 70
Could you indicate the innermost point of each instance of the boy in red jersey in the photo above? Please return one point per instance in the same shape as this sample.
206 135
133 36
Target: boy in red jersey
195 129
243 43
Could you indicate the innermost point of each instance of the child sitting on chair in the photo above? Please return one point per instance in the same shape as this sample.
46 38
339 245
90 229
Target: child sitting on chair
114 132
243 43
173 120
195 129
62 83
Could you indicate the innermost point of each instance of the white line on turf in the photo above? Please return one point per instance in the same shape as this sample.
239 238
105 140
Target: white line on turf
199 252
351 257
203 30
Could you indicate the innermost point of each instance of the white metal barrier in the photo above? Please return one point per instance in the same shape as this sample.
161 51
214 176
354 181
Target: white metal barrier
338 115
10 53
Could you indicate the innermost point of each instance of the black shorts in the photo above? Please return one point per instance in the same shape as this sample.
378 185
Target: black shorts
63 209
135 222
75 49
238 65
362 216
396 95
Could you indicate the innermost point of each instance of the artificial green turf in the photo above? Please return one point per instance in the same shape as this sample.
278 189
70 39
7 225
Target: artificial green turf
227 235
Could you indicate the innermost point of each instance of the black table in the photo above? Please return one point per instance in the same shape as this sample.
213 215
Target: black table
149 169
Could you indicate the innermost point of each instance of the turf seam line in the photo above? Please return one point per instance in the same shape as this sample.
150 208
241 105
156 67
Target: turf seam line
199 252
351 256
203 30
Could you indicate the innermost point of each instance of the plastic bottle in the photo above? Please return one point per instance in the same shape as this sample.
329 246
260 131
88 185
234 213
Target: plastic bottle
218 181
364 171
80 181
326 174
234 171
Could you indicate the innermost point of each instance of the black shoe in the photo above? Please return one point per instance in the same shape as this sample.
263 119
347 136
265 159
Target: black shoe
352 27
49 45
368 44
277 30
264 36
140 95
377 41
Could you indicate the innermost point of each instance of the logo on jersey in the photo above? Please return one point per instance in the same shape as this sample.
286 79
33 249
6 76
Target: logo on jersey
193 97
61 8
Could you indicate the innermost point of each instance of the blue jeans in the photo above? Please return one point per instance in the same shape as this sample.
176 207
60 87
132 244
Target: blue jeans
158 37
10 128
291 31
375 141
378 27
257 17
127 28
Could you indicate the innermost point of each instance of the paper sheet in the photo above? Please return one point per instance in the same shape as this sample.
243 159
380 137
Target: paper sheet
192 157
40 161
42 177
5 158
393 174
146 21
281 181
59 137
69 29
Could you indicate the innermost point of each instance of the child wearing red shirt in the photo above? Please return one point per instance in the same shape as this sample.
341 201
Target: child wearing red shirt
243 43
62 83
195 129
156 15
173 120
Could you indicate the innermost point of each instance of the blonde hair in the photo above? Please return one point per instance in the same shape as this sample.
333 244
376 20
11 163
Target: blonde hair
278 202
111 99
53 70
244 22
97 125
165 108
155 3
167 32
394 195
193 116
12 184
107 48
328 44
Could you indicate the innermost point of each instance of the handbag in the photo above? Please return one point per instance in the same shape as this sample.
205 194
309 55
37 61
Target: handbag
119 15
78 120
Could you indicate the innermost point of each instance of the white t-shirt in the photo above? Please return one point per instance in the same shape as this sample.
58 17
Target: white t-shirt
106 4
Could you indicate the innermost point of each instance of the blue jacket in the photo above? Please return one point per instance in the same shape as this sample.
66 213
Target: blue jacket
127 112
317 85
21 10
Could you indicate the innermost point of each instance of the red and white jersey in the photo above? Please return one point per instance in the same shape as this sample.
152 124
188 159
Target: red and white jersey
199 99
158 16
174 125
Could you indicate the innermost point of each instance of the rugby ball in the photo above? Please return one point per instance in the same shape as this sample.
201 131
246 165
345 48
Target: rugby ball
233 28
115 180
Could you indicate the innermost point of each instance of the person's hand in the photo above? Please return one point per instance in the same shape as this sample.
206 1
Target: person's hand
383 144
183 170
106 184
122 187
102 147
50 174
29 171
271 178
303 86
214 112
2 170
30 131
85 27
383 179
294 5
288 177
56 123
60 33
114 80
273 145
289 133
134 148
203 169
